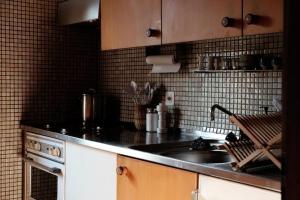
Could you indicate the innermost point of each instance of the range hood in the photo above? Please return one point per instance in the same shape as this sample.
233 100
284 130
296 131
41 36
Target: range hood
78 11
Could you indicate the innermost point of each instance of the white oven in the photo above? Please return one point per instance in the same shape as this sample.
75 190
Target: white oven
44 168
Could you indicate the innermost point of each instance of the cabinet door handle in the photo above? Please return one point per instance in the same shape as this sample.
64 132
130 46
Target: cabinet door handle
195 195
152 32
227 22
251 19
121 170
54 170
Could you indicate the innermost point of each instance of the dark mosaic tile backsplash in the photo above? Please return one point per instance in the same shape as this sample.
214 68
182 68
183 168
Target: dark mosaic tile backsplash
240 92
44 68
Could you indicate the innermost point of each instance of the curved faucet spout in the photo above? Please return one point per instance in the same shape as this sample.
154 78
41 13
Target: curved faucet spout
213 108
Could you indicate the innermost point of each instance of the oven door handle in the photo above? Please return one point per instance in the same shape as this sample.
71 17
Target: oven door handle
54 170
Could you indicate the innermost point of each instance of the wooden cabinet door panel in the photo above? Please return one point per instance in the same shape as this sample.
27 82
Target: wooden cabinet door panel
148 181
189 20
270 16
124 23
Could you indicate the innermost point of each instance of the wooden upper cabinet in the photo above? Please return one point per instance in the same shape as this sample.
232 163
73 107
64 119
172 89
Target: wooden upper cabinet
142 180
263 16
124 23
189 20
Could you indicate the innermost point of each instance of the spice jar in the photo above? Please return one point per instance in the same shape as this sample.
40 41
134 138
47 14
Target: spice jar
162 118
151 120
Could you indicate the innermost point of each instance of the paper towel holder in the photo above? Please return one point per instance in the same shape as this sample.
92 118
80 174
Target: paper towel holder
152 51
163 64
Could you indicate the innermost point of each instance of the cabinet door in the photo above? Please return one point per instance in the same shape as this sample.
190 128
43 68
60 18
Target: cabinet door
267 16
218 189
124 23
147 181
190 20
90 173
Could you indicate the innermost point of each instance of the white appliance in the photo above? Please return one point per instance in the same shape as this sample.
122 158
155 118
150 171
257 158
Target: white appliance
44 168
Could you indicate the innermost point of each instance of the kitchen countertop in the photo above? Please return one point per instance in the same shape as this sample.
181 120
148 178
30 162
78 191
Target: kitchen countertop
119 141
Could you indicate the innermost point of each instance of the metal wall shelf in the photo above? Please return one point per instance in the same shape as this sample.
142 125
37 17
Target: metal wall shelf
236 71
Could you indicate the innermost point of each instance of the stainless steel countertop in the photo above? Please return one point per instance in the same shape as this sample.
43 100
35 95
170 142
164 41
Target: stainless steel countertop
119 140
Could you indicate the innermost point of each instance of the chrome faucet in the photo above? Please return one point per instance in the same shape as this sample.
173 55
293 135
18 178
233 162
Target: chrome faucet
213 108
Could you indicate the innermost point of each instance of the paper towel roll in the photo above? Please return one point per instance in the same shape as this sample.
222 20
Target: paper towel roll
160 60
166 68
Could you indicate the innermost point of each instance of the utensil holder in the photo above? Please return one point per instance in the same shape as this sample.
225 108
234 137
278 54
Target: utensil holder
140 117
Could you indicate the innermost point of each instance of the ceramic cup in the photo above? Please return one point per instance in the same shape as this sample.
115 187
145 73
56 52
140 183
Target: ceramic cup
208 63
217 63
265 63
248 62
276 62
226 64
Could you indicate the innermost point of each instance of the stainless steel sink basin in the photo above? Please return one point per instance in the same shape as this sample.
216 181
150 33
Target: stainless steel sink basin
181 151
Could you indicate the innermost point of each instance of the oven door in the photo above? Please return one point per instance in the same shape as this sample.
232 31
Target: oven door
44 179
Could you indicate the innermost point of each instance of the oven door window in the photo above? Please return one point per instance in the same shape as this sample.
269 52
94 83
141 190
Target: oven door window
43 185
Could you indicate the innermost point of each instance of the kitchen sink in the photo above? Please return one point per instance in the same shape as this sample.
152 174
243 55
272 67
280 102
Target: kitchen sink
182 151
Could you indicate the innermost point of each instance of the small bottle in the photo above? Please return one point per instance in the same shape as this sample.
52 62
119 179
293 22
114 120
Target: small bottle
162 118
151 120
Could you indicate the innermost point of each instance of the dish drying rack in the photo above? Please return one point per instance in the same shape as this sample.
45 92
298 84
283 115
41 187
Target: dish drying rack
264 133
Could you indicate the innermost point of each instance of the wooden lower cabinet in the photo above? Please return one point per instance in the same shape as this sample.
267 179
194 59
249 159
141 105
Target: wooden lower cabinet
141 180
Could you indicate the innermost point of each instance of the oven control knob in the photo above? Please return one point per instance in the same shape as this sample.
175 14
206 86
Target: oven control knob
37 146
29 144
50 151
56 152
